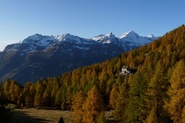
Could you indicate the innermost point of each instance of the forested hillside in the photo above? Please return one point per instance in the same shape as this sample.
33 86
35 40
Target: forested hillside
40 56
154 92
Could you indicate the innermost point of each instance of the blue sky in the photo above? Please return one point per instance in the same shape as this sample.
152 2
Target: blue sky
87 18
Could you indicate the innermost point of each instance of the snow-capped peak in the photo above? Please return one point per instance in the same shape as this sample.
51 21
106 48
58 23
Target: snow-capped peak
129 34
135 40
69 37
34 37
41 42
63 37
105 38
110 34
151 36
37 41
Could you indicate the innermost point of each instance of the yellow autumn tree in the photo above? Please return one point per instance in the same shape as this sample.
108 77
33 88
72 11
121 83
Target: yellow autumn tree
156 91
78 101
177 93
152 118
113 96
93 106
183 115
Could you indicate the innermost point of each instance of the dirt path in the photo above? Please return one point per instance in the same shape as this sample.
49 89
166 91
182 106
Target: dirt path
40 116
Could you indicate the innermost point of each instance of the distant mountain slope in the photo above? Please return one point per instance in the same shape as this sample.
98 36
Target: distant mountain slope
47 56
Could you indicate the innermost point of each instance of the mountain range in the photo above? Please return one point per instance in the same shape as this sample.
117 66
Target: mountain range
40 56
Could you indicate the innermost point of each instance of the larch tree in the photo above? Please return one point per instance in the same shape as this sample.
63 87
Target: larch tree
103 78
157 91
6 88
93 106
78 101
55 89
152 118
136 104
121 100
101 118
58 99
12 91
29 94
38 99
113 97
183 115
2 98
176 93
47 97
17 94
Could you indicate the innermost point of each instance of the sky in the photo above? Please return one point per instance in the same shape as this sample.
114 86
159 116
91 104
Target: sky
87 18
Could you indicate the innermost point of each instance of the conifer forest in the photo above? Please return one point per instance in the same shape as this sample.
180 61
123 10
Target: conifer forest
151 91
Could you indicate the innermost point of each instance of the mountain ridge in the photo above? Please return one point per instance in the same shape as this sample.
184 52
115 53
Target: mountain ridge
40 56
44 39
